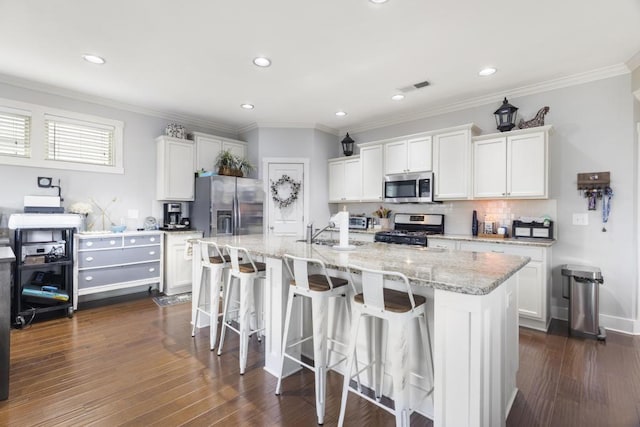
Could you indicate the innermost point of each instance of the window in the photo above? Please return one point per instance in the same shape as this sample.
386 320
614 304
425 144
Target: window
38 136
14 133
78 141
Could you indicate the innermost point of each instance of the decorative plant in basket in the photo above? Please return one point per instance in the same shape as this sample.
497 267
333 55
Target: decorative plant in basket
232 165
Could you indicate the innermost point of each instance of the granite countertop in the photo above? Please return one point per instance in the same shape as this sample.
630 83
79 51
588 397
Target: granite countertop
102 233
523 241
455 271
6 254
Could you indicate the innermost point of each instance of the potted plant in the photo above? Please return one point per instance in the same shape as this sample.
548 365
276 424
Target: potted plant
226 163
245 166
384 214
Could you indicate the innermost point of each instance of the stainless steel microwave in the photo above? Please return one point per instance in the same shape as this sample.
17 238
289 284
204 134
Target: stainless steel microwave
408 187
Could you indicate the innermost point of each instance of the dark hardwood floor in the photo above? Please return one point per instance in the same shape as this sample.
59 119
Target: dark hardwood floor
134 363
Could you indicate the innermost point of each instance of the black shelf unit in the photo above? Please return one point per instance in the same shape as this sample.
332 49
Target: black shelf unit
54 257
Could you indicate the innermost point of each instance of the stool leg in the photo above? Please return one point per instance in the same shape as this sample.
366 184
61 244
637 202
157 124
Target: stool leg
319 312
244 319
379 355
400 371
225 312
214 304
285 337
196 291
355 357
426 342
351 354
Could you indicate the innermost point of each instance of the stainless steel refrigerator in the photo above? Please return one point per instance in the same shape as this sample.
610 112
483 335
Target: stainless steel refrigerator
226 205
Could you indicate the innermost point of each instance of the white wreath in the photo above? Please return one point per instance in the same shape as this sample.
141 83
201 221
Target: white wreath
293 195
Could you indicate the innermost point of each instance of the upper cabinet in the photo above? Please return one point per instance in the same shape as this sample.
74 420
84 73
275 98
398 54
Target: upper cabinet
345 179
209 146
175 160
371 162
408 155
512 164
452 164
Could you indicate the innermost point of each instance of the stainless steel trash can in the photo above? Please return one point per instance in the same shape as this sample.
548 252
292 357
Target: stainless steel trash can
584 288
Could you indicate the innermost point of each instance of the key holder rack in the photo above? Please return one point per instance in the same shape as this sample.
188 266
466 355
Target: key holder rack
593 182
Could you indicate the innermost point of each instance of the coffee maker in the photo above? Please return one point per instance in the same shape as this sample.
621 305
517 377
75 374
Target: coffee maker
172 215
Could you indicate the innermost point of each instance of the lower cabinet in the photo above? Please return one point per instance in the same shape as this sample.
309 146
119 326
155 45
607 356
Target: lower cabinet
178 273
534 279
111 261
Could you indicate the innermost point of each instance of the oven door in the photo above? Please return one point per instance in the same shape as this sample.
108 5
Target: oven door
409 188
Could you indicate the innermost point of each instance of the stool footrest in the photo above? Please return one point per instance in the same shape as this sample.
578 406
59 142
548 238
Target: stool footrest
299 342
372 400
306 365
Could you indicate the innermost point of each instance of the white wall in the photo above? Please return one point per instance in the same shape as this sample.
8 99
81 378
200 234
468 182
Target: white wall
135 189
593 131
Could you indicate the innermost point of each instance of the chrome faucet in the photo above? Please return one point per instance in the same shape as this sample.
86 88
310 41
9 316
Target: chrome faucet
311 236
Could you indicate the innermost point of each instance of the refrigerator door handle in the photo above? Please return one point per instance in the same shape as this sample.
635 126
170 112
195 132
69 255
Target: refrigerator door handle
236 216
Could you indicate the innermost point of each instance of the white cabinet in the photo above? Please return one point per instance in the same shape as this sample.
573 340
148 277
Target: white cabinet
345 180
371 161
111 261
209 146
178 272
408 155
175 169
511 165
534 281
452 164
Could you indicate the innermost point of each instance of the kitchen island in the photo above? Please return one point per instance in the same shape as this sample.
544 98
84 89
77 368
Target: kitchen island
472 301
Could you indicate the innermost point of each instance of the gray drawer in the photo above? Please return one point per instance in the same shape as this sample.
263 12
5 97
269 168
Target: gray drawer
147 239
100 242
100 258
112 275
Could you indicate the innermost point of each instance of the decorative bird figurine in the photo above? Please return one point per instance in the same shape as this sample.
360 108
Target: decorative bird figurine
538 120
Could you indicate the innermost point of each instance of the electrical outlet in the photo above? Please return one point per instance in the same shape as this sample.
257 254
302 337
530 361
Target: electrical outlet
580 219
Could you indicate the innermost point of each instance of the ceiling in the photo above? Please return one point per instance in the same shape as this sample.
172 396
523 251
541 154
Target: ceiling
195 58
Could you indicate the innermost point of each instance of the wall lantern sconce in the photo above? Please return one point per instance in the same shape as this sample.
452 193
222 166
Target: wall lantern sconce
347 145
506 116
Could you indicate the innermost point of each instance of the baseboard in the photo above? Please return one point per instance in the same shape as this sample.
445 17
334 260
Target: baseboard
611 323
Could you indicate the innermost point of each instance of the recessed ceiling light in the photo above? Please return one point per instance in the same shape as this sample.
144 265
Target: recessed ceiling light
341 114
261 61
247 106
378 1
398 97
94 59
487 71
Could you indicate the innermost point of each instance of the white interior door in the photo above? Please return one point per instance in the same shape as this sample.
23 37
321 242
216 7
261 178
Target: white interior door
286 220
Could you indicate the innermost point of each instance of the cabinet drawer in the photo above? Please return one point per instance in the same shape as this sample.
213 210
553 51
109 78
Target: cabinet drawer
100 242
153 239
112 275
118 256
535 254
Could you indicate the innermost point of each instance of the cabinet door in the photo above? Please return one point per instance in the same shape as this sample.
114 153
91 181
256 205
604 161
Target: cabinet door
490 168
372 173
176 160
395 157
531 291
207 150
336 181
419 154
527 165
352 179
451 165
236 148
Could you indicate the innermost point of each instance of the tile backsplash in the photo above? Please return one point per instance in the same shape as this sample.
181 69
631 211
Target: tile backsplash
458 213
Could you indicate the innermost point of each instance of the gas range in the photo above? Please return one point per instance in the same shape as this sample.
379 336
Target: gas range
412 229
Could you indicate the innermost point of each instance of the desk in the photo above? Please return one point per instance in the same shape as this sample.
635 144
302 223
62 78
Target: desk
473 298
6 258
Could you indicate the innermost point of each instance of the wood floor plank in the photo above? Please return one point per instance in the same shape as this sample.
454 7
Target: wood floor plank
134 363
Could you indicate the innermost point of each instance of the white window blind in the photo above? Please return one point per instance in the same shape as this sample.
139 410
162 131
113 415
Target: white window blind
71 140
14 134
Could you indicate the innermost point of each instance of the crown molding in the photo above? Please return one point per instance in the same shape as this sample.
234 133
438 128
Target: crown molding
288 125
79 96
559 83
634 61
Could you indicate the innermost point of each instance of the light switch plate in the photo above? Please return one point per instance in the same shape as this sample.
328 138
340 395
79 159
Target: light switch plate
580 219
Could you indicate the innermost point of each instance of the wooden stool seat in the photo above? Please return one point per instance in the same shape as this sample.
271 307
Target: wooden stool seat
219 260
395 301
248 267
319 282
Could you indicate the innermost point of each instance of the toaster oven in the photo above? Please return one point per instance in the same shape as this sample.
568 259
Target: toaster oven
358 222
